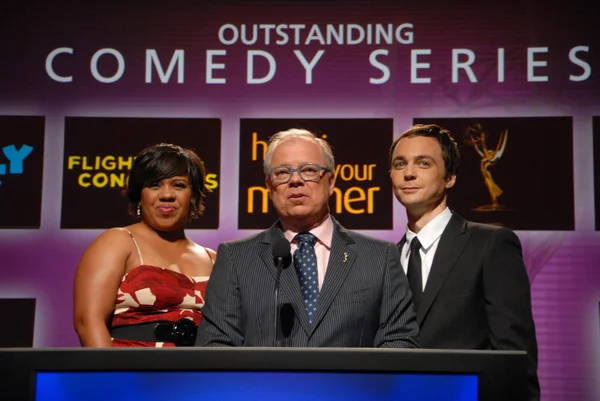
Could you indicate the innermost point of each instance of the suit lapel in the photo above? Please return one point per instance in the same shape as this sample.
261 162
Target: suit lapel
341 260
266 250
289 288
451 244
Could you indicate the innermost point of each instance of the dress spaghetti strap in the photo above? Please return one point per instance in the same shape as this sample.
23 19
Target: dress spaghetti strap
209 256
136 247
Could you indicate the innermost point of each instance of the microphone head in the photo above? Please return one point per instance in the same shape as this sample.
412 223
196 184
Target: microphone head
287 316
281 249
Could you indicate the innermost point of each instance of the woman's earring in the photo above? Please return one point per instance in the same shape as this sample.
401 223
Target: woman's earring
139 211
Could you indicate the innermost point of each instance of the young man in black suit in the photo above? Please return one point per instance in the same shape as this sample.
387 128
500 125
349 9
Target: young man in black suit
469 283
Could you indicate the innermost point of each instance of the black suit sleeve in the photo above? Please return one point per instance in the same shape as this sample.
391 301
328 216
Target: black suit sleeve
221 323
508 301
398 326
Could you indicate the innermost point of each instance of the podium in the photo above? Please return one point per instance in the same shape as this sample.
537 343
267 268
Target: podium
348 374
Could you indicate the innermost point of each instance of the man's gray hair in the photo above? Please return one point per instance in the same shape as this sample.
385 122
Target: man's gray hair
296 133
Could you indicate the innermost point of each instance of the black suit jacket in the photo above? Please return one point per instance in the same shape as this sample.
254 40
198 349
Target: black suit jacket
477 295
364 301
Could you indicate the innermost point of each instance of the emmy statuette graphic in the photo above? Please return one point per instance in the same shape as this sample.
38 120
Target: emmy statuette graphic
476 137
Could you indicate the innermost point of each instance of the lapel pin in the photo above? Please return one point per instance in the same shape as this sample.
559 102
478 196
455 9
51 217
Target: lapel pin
345 257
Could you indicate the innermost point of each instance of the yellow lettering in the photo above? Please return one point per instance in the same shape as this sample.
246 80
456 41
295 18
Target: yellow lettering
82 180
73 161
108 163
348 200
346 172
255 143
338 199
117 180
264 193
344 201
84 164
371 167
211 181
100 163
358 172
125 163
370 197
100 180
365 172
337 170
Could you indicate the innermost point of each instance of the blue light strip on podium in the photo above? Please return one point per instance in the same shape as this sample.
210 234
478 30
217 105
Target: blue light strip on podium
250 386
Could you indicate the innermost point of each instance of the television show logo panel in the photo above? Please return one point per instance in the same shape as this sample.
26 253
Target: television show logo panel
515 172
21 170
362 197
99 153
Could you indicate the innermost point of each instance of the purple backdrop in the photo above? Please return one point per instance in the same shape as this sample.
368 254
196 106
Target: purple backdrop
549 62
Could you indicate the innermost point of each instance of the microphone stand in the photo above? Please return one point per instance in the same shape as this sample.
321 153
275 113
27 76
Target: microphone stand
277 279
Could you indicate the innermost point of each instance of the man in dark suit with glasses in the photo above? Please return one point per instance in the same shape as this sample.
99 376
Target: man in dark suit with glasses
332 287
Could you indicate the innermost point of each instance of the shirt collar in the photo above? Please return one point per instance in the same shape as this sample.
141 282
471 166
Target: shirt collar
323 232
432 230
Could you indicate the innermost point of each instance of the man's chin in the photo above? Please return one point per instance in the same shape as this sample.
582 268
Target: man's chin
300 212
409 201
414 206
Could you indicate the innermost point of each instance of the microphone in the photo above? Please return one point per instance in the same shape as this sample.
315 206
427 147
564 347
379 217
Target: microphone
281 257
287 316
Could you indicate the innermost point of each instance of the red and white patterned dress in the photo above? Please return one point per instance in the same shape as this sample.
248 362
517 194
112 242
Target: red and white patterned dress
151 294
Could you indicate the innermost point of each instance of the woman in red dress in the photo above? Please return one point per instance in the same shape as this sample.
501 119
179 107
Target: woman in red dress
144 284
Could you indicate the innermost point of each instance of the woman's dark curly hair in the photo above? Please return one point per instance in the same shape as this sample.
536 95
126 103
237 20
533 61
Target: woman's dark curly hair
162 161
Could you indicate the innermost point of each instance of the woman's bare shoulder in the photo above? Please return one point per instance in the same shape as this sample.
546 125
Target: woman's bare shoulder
203 251
116 238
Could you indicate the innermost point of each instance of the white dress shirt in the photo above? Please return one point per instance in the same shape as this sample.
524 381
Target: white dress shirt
429 237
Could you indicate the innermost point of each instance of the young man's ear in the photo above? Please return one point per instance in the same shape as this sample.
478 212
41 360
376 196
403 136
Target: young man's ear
450 180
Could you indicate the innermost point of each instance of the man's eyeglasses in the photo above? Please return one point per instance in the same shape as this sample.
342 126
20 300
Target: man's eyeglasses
308 172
